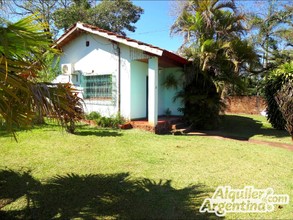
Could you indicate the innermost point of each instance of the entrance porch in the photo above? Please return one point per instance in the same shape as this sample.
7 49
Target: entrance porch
164 124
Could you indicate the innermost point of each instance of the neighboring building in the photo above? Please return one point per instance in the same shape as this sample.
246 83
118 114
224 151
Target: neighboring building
118 74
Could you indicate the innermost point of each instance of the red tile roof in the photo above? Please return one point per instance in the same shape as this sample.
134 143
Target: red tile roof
78 28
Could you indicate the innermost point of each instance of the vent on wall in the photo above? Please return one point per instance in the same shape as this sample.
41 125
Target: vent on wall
66 69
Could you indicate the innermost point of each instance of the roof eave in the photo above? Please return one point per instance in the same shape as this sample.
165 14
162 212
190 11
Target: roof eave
133 44
152 50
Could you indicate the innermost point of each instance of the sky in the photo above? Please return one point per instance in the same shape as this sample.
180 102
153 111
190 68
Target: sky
154 25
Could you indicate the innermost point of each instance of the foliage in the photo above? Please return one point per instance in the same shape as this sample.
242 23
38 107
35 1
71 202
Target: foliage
168 112
113 15
93 116
284 98
51 68
44 8
274 115
212 32
67 106
110 122
170 82
270 33
22 46
202 102
67 16
279 77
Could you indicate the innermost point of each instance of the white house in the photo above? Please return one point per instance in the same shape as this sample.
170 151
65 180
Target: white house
118 74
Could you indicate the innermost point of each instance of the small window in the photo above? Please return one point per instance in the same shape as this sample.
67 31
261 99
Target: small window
98 86
87 43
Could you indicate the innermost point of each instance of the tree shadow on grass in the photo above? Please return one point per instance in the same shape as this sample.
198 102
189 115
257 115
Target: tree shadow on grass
243 128
98 132
81 130
104 196
14 185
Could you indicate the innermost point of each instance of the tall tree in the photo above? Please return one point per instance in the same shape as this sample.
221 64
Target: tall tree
112 15
212 30
272 34
44 9
78 10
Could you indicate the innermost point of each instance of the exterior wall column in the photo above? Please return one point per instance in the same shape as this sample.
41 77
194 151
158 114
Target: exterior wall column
153 66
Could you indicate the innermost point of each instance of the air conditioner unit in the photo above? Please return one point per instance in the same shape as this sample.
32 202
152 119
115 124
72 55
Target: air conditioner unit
66 69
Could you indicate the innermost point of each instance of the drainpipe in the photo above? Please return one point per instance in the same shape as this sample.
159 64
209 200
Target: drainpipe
119 79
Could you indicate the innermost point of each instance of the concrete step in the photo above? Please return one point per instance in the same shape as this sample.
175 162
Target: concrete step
179 125
182 131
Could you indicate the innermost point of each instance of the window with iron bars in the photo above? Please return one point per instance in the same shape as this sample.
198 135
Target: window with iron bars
97 87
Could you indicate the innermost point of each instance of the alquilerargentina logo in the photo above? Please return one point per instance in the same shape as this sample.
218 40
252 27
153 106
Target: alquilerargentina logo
249 199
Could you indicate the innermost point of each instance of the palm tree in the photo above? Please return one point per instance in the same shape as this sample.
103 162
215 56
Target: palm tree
272 35
212 30
22 47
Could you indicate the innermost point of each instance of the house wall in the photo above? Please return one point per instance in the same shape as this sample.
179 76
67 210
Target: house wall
125 82
139 72
161 91
167 94
100 58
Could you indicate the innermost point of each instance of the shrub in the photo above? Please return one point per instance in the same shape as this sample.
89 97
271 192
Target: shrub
93 116
202 103
284 98
279 77
106 122
274 114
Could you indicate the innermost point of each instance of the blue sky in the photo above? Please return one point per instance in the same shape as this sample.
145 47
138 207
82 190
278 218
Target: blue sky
154 25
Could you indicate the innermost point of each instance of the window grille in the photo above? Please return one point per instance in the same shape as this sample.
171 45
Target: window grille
97 86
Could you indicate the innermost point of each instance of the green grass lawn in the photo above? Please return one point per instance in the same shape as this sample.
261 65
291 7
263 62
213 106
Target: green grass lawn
132 174
247 127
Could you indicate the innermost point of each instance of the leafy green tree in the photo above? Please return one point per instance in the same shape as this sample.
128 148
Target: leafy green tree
284 98
274 115
279 97
78 10
44 9
22 47
212 30
271 33
51 70
112 15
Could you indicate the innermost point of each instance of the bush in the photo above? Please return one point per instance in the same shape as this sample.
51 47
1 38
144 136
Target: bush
279 77
106 122
274 115
284 98
202 103
93 116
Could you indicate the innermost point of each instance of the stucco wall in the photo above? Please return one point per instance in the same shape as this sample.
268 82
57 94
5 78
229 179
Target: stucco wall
170 93
139 72
100 58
